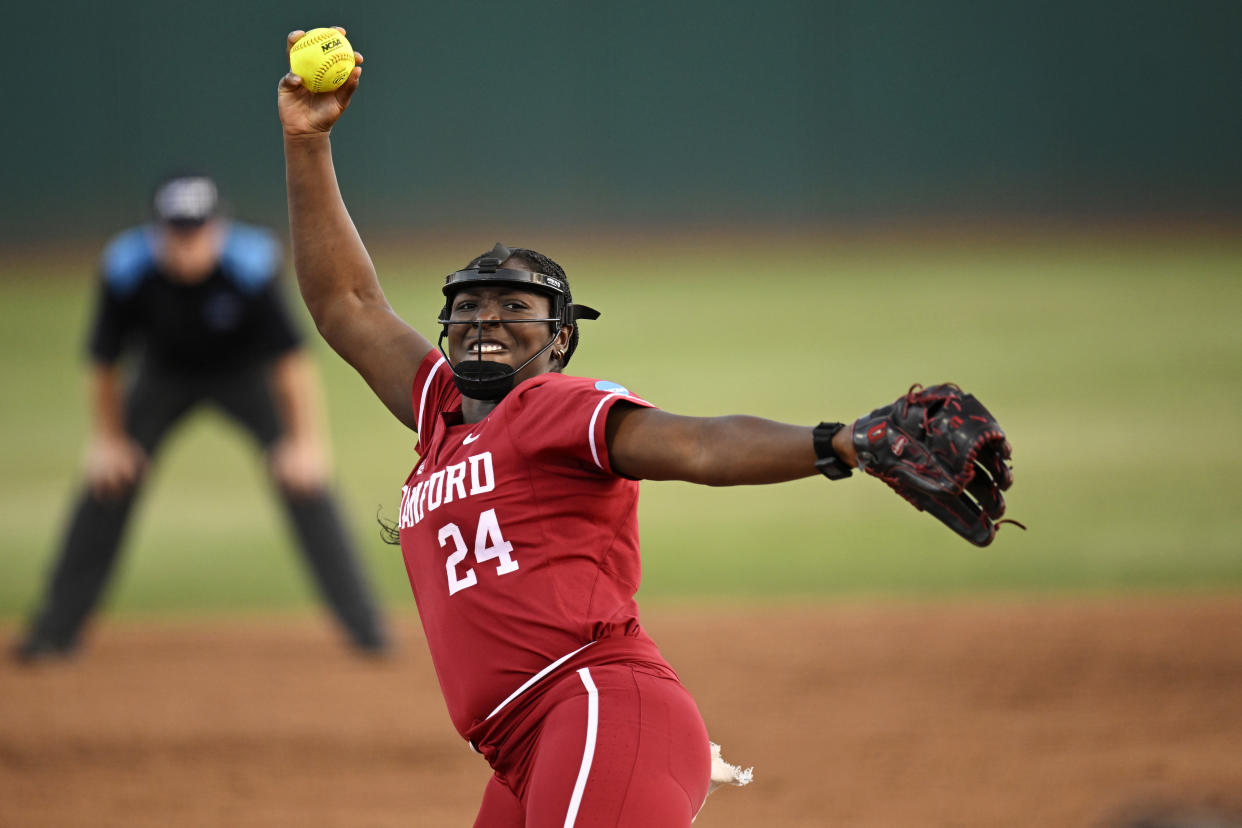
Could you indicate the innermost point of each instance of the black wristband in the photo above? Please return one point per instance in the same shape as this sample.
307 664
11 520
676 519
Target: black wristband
829 464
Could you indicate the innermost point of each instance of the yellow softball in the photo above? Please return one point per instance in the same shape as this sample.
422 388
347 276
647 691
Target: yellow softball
323 59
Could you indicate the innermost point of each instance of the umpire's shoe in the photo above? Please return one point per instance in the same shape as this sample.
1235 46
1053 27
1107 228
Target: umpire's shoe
35 649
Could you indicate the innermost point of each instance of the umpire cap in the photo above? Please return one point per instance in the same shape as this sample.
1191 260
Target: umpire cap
186 200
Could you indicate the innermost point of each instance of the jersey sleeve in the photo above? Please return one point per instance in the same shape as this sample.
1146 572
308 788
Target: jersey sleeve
252 260
250 256
274 331
109 328
561 421
433 393
127 261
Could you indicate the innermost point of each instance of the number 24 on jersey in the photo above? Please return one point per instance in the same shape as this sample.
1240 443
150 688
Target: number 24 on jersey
489 544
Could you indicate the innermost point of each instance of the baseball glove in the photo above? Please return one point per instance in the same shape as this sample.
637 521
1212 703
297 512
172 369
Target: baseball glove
941 450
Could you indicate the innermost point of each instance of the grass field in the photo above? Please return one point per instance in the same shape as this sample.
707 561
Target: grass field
1114 363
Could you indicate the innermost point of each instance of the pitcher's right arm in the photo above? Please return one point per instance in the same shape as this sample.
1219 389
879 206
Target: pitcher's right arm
335 273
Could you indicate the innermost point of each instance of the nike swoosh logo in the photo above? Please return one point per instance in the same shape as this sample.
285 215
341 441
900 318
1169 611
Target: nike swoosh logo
470 438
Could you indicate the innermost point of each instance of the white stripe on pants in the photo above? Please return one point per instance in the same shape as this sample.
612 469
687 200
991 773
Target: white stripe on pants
588 751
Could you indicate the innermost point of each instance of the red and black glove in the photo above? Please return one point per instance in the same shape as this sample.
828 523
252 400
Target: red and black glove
941 450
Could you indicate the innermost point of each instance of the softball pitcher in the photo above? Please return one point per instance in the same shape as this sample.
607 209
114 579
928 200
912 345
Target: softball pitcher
518 522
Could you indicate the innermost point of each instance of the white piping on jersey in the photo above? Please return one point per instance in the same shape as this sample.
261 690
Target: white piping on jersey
588 750
591 428
422 401
527 684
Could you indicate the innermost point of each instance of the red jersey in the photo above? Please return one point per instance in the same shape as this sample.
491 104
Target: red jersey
520 541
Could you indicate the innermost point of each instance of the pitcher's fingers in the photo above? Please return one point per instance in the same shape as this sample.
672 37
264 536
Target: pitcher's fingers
349 87
292 38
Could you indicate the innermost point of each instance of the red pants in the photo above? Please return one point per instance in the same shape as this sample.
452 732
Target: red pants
613 745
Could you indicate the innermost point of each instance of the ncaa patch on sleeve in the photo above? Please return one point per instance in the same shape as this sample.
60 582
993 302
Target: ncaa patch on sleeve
611 388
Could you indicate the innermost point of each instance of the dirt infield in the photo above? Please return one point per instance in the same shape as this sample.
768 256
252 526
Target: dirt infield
1052 713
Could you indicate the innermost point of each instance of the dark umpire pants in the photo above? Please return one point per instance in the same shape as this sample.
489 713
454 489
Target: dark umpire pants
155 402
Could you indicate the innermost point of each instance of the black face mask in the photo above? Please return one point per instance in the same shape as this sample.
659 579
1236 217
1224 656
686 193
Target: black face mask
480 379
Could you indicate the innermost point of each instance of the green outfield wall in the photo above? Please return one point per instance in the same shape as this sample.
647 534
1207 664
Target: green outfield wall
641 112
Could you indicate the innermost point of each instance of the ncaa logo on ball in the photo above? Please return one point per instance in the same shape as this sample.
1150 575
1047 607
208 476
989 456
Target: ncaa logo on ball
323 58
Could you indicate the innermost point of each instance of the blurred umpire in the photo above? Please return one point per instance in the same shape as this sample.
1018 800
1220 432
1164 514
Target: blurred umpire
196 297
